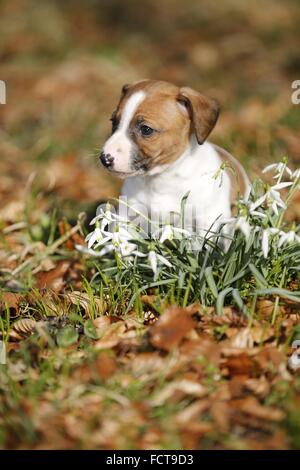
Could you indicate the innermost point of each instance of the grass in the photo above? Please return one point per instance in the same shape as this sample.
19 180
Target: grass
61 352
211 275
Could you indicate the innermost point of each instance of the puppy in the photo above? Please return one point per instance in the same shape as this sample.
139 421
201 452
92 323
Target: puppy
159 145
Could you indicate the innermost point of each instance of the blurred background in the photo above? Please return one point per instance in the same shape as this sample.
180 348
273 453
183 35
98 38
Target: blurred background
65 62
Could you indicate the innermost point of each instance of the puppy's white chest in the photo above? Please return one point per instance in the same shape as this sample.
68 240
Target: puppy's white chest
208 195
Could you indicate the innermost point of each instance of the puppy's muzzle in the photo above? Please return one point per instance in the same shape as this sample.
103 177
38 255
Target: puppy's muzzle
106 159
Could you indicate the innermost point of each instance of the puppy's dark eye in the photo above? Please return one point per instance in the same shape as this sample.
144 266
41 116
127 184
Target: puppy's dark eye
146 130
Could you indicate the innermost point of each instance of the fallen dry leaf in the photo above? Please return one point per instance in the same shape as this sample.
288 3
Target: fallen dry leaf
241 364
22 328
252 407
112 336
84 300
248 337
55 278
10 300
192 412
171 328
220 413
186 387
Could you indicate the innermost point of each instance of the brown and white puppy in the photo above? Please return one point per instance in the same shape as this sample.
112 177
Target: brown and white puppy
158 143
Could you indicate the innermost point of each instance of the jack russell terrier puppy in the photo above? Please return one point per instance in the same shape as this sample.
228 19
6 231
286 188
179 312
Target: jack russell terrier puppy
158 144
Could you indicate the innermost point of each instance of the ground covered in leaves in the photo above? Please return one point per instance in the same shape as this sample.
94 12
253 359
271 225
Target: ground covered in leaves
80 373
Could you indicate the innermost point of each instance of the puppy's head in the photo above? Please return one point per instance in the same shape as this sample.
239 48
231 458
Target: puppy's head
152 126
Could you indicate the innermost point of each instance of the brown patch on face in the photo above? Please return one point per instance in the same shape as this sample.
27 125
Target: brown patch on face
238 179
167 110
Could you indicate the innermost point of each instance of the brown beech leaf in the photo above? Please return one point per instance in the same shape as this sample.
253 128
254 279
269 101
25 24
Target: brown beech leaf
229 317
22 328
237 386
271 359
275 442
260 387
84 300
265 308
112 336
220 413
203 347
102 324
241 364
252 407
146 364
171 328
148 299
105 365
192 412
193 432
247 337
10 300
184 386
55 278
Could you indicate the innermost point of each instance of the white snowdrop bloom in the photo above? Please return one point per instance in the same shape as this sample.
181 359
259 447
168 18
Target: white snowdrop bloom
242 224
126 248
106 217
88 251
288 237
279 168
265 245
119 235
272 197
154 258
169 232
257 213
93 237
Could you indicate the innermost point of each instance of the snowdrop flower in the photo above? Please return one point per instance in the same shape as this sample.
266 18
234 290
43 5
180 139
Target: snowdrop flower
106 217
128 249
96 236
121 244
253 212
154 258
288 237
265 239
118 237
240 223
168 232
280 168
272 196
88 251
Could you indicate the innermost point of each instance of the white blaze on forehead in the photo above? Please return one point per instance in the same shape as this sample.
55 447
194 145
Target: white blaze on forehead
130 108
119 144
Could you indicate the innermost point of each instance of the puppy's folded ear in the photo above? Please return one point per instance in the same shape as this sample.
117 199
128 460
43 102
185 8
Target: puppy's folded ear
203 111
125 88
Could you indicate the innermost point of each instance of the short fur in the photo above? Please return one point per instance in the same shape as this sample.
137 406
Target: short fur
175 158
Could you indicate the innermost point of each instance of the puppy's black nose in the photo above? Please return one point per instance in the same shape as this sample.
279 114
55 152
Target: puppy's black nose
106 159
